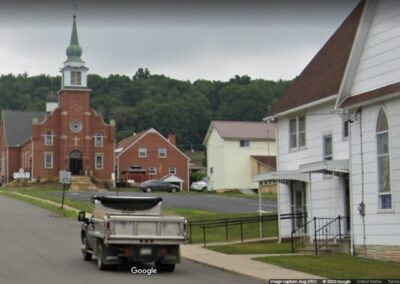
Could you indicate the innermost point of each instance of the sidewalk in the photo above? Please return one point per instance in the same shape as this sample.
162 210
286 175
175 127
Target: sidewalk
241 264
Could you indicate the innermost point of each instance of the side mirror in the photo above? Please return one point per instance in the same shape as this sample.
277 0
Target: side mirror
82 216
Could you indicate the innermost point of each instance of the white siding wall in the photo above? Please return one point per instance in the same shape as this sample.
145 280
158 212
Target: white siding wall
215 159
325 195
238 174
381 228
380 59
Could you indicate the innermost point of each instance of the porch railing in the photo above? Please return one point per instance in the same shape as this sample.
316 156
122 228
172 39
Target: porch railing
324 232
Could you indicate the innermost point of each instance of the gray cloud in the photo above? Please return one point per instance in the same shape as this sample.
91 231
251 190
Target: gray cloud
182 39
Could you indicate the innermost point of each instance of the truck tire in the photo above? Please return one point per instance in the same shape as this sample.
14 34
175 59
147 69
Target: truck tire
173 190
148 189
100 258
163 267
87 256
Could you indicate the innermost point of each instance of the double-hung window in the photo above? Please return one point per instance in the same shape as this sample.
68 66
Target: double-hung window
48 160
162 152
327 147
244 143
152 170
142 152
172 170
99 161
297 132
76 78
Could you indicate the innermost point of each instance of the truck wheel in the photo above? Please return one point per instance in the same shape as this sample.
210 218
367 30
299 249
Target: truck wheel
100 258
148 189
173 190
87 256
162 267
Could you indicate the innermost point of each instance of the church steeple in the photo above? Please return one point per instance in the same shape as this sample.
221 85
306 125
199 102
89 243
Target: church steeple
74 51
74 70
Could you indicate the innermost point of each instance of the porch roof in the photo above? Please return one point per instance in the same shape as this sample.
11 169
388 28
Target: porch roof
329 166
282 176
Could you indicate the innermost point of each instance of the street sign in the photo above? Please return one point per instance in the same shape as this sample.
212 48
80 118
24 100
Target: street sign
21 174
65 177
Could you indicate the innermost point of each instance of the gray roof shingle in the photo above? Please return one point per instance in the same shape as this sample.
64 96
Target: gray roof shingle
245 129
18 125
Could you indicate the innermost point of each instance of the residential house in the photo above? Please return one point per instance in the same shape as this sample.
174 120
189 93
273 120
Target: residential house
70 135
339 136
264 164
230 147
154 157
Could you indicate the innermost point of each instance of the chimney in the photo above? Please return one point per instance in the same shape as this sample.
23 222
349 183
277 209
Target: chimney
172 137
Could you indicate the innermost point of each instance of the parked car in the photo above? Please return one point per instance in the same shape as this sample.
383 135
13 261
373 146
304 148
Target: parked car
156 184
200 185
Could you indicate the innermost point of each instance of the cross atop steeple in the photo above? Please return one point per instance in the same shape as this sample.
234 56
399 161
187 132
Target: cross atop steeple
75 9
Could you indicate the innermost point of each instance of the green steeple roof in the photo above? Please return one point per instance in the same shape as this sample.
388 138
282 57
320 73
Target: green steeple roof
74 51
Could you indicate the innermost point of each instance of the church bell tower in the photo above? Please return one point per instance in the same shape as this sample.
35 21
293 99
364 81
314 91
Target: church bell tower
74 72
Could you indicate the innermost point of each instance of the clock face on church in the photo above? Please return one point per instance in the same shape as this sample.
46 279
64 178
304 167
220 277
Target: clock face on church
75 126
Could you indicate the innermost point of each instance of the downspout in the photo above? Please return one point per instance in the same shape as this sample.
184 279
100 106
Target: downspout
352 248
361 206
8 164
32 157
114 164
188 175
278 184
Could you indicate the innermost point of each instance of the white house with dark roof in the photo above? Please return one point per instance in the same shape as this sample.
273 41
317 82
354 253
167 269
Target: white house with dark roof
339 137
230 147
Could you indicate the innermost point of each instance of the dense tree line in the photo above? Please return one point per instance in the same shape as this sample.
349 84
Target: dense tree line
147 100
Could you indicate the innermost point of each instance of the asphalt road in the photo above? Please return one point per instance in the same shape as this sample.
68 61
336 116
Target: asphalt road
210 202
37 246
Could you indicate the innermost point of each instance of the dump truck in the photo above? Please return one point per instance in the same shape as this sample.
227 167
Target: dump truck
131 229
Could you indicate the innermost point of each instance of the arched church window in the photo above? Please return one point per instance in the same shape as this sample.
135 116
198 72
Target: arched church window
48 138
98 140
382 143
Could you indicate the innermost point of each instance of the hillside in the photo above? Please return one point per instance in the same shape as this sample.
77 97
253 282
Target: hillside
148 100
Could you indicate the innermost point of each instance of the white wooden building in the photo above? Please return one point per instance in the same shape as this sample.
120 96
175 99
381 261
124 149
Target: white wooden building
339 135
230 147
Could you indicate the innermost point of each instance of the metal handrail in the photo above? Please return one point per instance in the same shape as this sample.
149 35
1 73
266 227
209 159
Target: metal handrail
299 235
328 233
325 231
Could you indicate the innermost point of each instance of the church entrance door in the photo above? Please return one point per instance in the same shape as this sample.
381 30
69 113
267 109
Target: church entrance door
76 162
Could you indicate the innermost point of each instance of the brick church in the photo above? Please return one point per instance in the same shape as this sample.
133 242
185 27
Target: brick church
70 135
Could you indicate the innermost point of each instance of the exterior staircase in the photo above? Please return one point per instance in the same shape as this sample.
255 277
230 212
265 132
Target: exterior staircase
340 246
82 183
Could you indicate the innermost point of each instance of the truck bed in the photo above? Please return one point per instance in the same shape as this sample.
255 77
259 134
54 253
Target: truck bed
128 229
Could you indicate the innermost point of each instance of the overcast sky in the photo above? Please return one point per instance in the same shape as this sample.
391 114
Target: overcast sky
182 39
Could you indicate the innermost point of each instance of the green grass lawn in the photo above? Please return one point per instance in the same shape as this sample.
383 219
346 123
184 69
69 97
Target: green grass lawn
53 208
338 266
250 231
48 191
265 247
218 234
